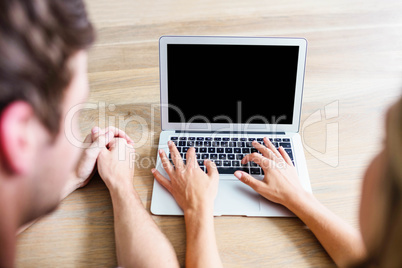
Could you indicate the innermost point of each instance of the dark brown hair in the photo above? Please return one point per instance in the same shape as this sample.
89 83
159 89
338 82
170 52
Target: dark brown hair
37 40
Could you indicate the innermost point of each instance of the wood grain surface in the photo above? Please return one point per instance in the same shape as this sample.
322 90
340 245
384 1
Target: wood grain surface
353 73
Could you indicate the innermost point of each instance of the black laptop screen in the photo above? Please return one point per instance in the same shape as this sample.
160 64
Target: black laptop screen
231 83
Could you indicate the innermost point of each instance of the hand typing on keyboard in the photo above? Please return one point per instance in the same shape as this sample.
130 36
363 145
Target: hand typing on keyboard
191 187
281 182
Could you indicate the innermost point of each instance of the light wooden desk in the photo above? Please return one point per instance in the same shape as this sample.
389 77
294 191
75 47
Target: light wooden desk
354 63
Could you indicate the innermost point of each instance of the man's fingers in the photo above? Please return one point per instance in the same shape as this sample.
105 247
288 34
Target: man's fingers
118 133
162 180
249 180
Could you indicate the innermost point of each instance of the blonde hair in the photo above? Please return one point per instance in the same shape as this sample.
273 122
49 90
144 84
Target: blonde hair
388 253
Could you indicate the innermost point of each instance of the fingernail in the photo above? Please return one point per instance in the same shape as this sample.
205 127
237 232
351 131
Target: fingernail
160 151
153 170
169 142
238 174
95 130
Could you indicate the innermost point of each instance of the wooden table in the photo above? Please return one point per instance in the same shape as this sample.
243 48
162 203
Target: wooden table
354 68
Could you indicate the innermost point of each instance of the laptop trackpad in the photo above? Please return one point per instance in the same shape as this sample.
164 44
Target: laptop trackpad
236 198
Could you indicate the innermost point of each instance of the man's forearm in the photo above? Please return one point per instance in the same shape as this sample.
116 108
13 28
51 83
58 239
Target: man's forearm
342 242
202 250
139 242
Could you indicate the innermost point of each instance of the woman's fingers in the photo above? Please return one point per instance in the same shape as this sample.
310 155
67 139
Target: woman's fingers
211 168
249 180
257 158
162 180
285 156
191 159
270 146
176 157
166 163
268 153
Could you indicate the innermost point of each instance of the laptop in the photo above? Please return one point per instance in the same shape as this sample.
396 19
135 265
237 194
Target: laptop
218 94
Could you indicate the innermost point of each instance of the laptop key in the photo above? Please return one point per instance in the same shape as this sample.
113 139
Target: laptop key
190 143
227 170
239 156
213 156
285 144
255 171
235 163
228 150
182 143
241 144
245 150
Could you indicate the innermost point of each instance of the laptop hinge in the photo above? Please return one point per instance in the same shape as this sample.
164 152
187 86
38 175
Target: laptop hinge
233 132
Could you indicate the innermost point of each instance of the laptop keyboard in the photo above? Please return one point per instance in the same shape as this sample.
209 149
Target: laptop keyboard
226 152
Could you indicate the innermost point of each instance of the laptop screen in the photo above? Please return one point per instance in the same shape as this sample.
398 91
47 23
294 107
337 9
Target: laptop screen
246 84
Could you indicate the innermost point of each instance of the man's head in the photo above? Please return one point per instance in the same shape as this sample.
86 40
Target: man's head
43 47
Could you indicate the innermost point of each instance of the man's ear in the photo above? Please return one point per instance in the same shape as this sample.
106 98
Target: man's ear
16 142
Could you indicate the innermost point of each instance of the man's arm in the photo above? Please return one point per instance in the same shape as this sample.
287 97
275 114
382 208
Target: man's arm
194 191
281 185
139 242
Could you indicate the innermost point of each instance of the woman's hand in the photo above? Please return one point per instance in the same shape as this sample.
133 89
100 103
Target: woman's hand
281 183
192 188
195 192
